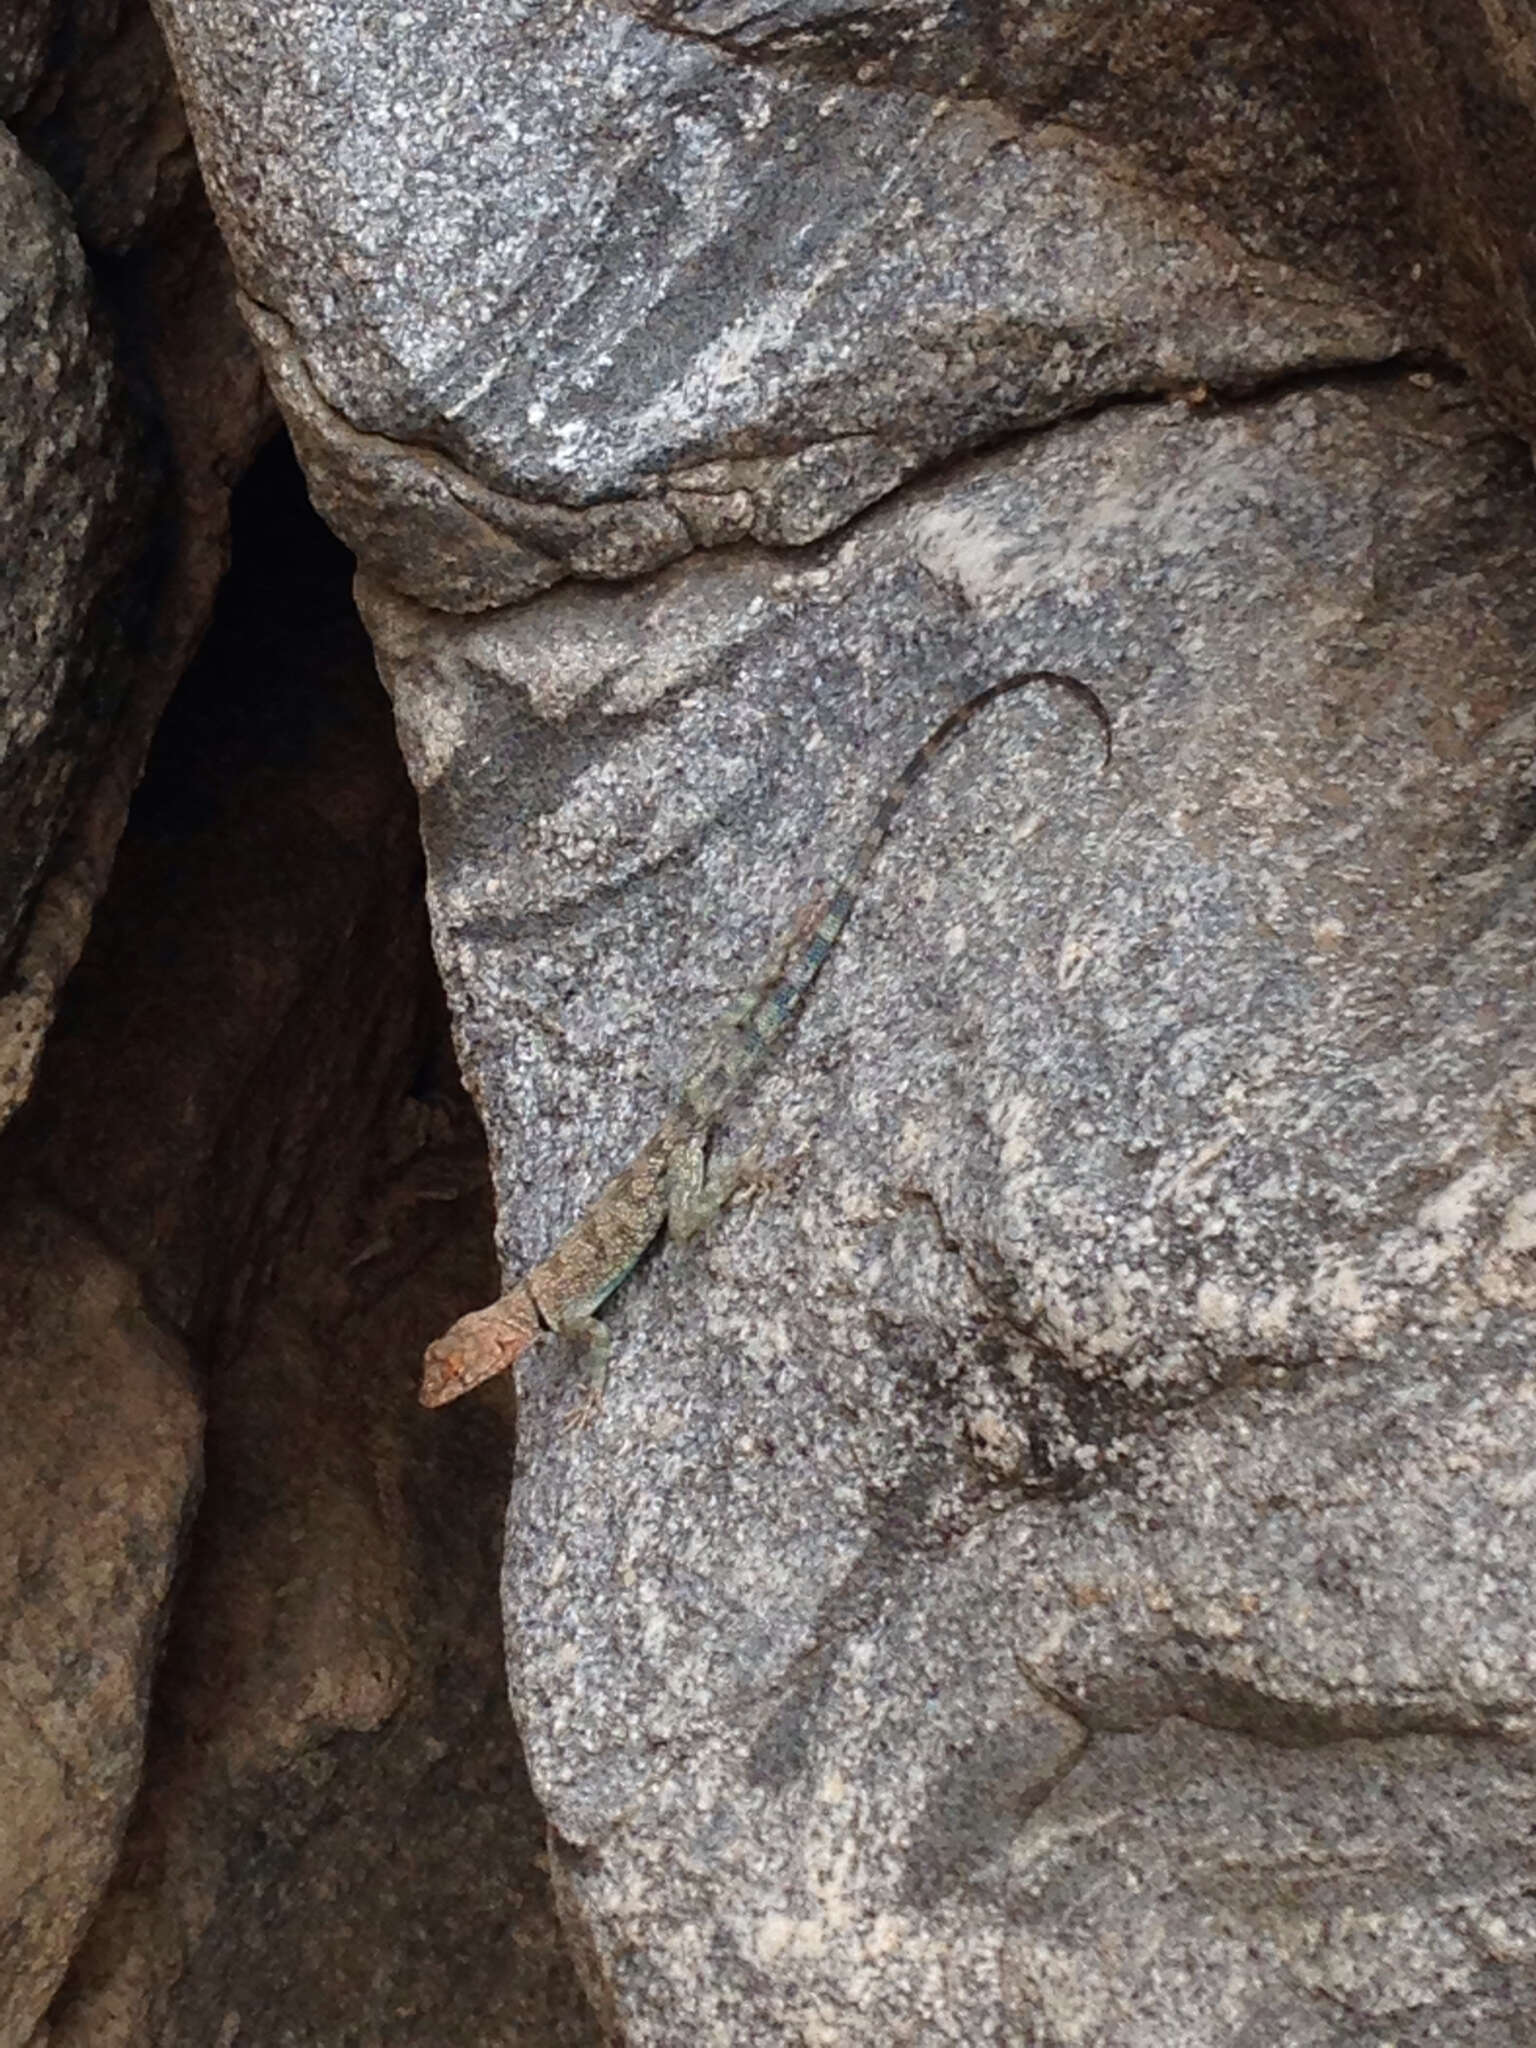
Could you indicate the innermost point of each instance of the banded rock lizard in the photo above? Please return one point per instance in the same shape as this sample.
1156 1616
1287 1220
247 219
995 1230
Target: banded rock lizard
665 1183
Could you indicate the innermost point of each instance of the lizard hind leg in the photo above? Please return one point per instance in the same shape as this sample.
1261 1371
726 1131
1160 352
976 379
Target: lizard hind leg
696 1197
592 1331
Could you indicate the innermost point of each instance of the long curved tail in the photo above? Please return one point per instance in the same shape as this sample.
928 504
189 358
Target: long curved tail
781 1003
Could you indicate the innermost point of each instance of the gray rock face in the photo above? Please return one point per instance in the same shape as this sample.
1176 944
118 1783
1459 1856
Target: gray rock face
622 294
1139 1326
126 418
1055 1565
73 482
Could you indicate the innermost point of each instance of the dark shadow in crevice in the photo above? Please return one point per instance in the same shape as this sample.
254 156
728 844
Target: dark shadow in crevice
250 1098
258 977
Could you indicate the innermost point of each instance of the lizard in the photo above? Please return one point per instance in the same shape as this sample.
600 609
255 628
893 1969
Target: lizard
665 1182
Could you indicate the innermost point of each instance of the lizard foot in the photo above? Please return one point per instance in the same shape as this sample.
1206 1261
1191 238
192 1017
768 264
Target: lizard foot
589 1405
583 1411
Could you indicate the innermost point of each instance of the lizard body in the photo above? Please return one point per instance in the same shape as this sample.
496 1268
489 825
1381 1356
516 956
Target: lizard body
665 1182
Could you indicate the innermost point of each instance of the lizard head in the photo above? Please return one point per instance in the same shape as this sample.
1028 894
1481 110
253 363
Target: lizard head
479 1346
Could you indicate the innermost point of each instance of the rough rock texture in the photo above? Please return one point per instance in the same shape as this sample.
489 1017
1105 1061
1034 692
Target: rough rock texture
248 1096
117 446
1140 1327
24 32
75 482
131 400
104 118
1055 1566
337 1840
582 297
100 1465
1457 89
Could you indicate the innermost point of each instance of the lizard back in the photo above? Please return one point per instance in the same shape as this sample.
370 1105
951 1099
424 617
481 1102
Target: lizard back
567 1288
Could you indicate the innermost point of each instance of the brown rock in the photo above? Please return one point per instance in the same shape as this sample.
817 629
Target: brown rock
100 1465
